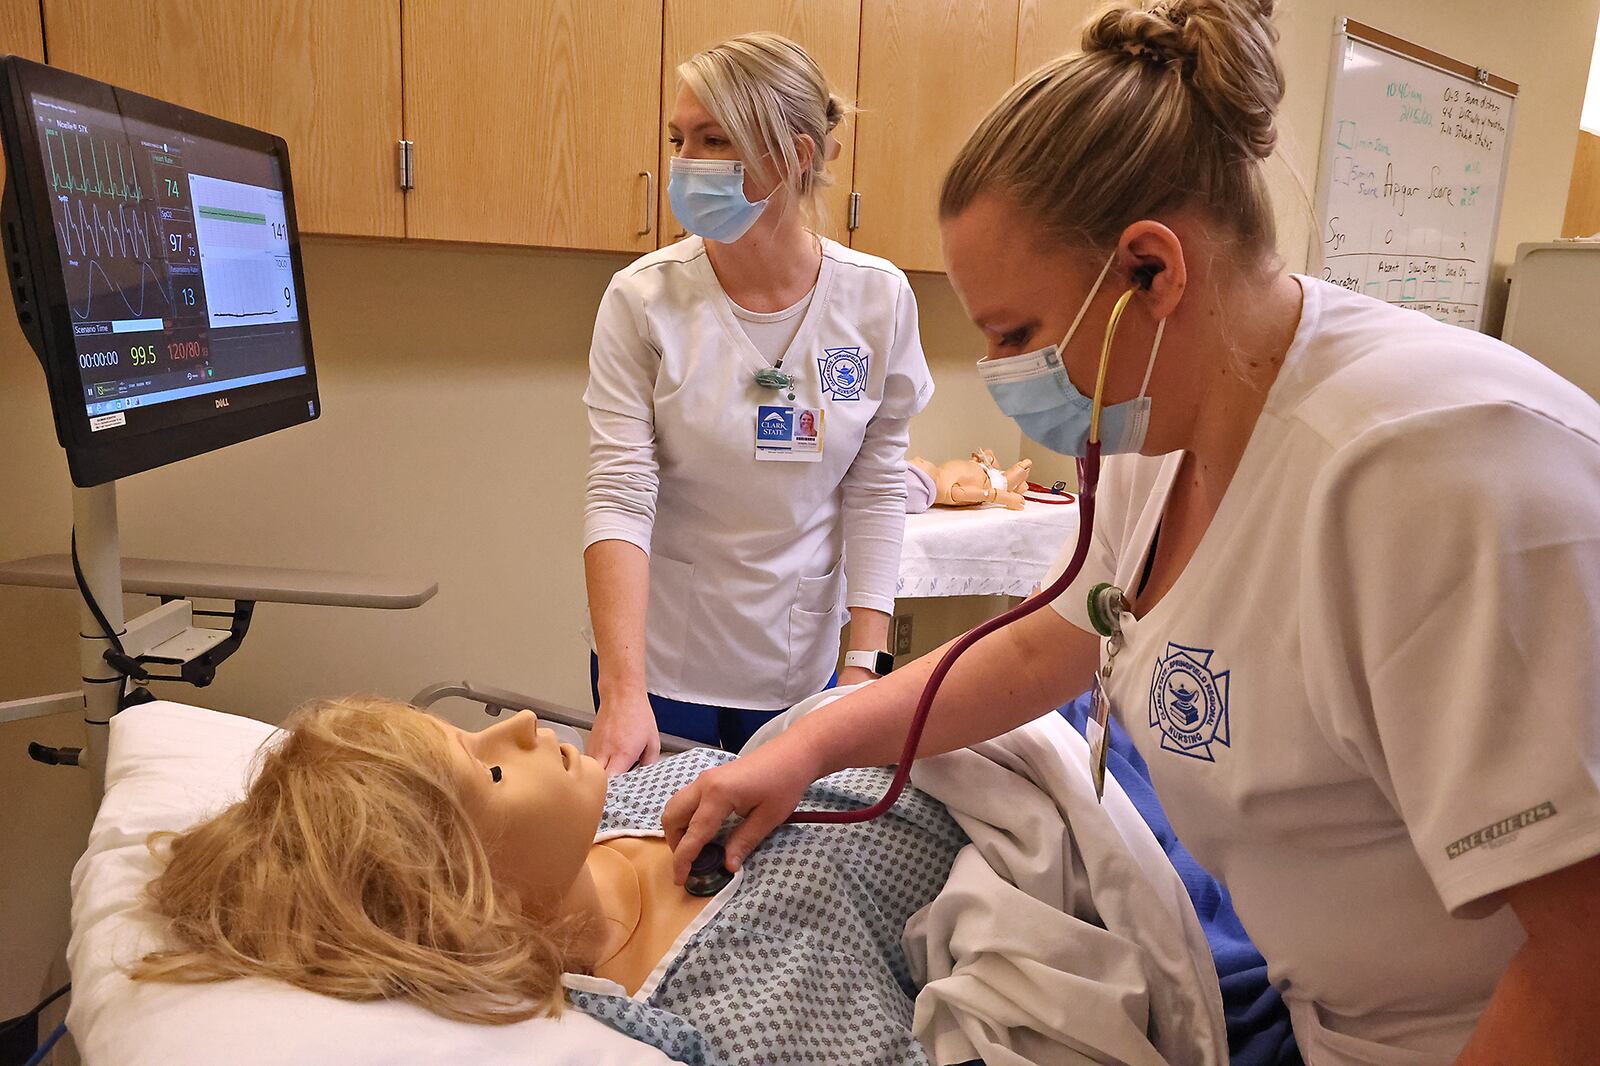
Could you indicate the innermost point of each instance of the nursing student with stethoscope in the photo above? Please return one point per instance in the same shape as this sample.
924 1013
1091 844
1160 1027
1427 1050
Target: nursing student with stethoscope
749 394
1358 637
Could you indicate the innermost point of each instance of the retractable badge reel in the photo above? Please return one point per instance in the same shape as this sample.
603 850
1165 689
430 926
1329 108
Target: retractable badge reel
1106 604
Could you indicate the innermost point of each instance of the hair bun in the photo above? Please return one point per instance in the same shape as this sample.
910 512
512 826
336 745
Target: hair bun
836 111
1224 50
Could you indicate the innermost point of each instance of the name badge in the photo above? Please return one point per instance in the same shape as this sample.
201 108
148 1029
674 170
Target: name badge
788 434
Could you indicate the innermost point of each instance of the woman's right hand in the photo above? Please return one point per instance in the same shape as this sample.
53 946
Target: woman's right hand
763 787
624 734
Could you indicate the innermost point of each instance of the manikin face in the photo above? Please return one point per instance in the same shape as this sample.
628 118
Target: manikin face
538 820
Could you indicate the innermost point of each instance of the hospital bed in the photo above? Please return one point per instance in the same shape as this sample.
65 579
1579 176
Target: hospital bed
170 765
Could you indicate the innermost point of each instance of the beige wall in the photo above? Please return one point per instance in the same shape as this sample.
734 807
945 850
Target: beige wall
453 446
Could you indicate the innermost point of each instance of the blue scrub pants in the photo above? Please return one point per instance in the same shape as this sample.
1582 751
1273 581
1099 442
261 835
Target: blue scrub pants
729 728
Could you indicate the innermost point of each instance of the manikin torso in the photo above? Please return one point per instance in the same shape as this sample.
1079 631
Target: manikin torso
644 911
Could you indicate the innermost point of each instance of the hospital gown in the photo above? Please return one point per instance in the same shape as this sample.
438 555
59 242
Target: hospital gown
803 961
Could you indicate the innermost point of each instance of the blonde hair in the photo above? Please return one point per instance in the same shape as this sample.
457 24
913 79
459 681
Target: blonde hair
1170 105
352 869
765 90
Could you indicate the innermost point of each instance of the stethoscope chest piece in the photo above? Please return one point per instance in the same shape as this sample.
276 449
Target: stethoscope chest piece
708 875
1106 604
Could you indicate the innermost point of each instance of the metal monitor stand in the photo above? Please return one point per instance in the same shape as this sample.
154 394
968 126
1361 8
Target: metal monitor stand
94 522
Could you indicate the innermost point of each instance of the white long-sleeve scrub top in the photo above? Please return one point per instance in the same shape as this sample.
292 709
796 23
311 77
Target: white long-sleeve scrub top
1371 701
752 562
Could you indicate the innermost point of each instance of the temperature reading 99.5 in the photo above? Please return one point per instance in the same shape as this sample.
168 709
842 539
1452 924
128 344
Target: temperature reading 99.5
142 354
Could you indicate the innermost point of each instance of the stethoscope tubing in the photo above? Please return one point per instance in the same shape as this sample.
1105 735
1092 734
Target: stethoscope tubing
1089 478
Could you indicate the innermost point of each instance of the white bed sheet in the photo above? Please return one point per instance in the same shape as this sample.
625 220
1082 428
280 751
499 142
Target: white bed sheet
982 551
169 765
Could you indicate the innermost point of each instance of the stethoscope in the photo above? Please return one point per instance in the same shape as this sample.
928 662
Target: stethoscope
707 875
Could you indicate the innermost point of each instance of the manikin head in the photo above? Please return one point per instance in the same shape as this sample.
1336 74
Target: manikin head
379 853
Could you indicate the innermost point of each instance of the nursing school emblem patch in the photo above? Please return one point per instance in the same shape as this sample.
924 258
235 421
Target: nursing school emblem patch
843 372
1189 702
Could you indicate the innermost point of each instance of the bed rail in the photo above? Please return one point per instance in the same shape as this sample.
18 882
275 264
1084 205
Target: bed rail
495 700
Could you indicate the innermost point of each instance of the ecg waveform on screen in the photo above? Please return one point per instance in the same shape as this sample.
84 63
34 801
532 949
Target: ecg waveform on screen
120 291
128 232
79 163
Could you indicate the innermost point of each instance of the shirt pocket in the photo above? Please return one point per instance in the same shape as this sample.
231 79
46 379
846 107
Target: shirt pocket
814 624
673 599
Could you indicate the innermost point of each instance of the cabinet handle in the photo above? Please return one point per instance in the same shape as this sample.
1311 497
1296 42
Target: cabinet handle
649 220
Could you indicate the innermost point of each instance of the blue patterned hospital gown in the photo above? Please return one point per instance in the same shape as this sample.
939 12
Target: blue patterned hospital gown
803 962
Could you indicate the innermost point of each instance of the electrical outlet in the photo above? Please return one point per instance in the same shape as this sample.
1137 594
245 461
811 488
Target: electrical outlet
902 634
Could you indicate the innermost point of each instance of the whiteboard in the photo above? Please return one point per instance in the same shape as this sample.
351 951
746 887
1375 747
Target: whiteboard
1412 170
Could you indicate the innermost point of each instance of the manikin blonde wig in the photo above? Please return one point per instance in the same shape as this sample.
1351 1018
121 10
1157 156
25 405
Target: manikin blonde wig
1171 105
351 869
766 91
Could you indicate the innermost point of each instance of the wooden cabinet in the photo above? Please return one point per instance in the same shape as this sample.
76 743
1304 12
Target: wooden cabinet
1583 195
20 34
534 121
828 29
1049 28
543 122
20 31
324 76
930 69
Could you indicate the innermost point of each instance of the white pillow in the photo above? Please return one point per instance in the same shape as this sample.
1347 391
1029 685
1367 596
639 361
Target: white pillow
170 765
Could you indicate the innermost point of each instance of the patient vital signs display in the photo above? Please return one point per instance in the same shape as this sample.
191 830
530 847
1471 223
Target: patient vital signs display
177 273
159 248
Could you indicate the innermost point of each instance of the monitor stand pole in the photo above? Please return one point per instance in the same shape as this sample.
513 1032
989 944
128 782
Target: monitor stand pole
94 521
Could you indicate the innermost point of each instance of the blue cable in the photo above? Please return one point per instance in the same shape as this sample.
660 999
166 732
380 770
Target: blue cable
49 1042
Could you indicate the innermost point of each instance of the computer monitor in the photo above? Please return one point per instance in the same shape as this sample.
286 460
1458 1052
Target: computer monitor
155 267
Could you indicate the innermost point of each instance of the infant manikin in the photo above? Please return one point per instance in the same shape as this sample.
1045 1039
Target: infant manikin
968 482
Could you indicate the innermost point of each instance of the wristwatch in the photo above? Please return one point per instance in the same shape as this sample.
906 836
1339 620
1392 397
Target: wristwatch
875 662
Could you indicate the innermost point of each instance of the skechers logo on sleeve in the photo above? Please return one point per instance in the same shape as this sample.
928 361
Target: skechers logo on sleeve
1505 827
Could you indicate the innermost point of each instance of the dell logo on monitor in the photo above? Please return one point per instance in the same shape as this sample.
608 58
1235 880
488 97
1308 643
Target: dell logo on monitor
222 401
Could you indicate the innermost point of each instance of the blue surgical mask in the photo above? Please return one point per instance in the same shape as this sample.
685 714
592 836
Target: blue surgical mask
707 197
1035 391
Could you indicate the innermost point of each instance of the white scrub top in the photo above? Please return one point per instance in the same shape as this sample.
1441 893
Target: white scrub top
1371 701
752 563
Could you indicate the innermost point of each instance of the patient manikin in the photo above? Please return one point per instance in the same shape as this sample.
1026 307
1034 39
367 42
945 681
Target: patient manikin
382 853
974 481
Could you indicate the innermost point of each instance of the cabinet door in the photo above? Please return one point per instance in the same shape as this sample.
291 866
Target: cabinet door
324 76
20 34
1049 28
828 29
535 121
930 69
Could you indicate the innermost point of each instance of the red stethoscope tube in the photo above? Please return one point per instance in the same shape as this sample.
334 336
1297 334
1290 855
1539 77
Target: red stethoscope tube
1089 479
1050 494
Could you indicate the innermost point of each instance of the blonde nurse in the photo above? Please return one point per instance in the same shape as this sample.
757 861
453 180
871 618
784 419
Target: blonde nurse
1360 551
749 394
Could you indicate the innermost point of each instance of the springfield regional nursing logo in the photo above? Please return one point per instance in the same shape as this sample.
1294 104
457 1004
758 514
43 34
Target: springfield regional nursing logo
1189 702
844 372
